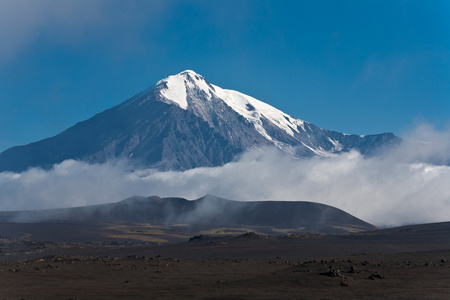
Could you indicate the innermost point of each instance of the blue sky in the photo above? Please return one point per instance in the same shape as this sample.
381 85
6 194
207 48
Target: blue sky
352 66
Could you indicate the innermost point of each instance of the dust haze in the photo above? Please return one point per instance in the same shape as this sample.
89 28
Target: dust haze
406 184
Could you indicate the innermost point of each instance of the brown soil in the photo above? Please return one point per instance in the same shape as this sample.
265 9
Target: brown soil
421 275
402 263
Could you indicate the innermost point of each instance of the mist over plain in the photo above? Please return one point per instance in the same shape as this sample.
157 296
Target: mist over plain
406 184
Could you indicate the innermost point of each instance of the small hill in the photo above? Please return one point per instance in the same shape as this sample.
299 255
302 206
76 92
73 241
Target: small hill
208 215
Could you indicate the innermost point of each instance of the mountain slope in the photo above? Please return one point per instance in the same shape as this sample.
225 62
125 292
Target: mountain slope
183 122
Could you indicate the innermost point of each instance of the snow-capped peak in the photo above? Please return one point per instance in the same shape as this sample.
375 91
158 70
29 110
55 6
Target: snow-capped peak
184 122
175 90
176 86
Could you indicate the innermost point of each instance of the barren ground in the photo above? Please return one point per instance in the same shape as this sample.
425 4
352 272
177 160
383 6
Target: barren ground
402 263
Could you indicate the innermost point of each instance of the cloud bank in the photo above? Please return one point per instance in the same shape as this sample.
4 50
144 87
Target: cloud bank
405 185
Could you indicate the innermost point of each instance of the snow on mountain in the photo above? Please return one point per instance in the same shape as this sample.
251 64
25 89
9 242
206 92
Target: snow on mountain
176 87
182 122
194 93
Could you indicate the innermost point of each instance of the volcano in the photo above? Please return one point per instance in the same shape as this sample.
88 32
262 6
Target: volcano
183 122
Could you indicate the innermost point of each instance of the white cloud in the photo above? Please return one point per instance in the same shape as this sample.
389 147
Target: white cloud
393 189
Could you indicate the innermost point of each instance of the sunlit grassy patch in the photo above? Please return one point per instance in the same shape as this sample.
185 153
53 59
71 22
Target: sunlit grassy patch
145 232
143 238
288 230
137 229
226 231
351 228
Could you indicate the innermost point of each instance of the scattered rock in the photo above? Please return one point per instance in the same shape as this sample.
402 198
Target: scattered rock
376 276
200 237
345 281
332 273
250 234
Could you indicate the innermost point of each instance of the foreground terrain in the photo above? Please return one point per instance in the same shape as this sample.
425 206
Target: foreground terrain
420 275
400 263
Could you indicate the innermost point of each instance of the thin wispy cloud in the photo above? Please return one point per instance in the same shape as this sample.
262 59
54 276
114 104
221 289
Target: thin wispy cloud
115 24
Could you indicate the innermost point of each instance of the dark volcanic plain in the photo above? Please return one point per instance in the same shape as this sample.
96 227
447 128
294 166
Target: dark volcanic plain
409 262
